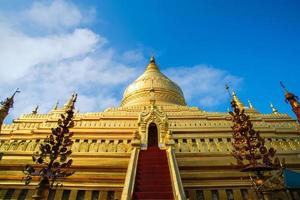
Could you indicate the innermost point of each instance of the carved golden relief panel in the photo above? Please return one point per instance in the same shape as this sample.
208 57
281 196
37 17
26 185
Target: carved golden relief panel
119 146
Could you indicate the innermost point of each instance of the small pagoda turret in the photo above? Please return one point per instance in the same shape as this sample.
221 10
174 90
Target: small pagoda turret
6 105
292 100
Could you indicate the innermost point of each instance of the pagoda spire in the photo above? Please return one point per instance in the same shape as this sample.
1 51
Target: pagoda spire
293 100
70 101
237 100
274 110
6 106
35 110
250 104
152 64
55 107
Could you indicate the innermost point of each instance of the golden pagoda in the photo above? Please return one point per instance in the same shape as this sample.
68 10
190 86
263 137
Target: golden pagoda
190 149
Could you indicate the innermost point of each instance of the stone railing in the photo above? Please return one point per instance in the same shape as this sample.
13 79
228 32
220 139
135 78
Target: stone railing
224 145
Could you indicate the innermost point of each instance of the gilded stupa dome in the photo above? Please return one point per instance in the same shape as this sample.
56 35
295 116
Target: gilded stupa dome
153 85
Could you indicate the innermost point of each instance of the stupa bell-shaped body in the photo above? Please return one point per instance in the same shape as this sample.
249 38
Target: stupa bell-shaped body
140 92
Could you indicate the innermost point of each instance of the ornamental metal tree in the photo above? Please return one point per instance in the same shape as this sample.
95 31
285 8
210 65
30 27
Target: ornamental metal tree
249 148
52 159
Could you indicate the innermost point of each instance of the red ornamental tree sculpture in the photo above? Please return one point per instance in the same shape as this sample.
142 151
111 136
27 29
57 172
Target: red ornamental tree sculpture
52 159
249 147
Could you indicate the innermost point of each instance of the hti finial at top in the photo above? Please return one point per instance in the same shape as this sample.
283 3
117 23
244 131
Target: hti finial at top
152 59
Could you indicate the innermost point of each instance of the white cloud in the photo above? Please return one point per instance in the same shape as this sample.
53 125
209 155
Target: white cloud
20 52
50 67
54 15
203 85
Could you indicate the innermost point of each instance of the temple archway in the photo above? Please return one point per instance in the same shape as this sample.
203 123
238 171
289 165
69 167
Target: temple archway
153 116
152 135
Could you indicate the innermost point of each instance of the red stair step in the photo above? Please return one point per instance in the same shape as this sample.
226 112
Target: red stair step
153 195
154 188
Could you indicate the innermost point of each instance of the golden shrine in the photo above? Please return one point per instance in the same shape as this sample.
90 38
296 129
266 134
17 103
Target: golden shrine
110 148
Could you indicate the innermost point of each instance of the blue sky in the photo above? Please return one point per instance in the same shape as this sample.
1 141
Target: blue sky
200 44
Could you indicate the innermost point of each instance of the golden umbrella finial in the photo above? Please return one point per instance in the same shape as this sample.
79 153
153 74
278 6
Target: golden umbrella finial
152 59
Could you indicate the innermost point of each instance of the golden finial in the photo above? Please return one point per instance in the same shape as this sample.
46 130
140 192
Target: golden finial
250 104
237 100
152 59
55 107
292 100
274 110
288 95
70 101
152 65
9 102
72 106
35 110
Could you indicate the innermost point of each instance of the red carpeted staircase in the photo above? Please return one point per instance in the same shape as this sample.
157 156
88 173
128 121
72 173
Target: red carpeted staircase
153 179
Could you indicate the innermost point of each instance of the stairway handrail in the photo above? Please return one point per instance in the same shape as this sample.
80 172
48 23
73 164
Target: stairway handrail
177 185
130 174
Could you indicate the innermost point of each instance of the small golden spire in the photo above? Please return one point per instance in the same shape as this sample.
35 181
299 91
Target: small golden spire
237 100
293 100
55 107
274 110
35 110
5 106
250 104
71 101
